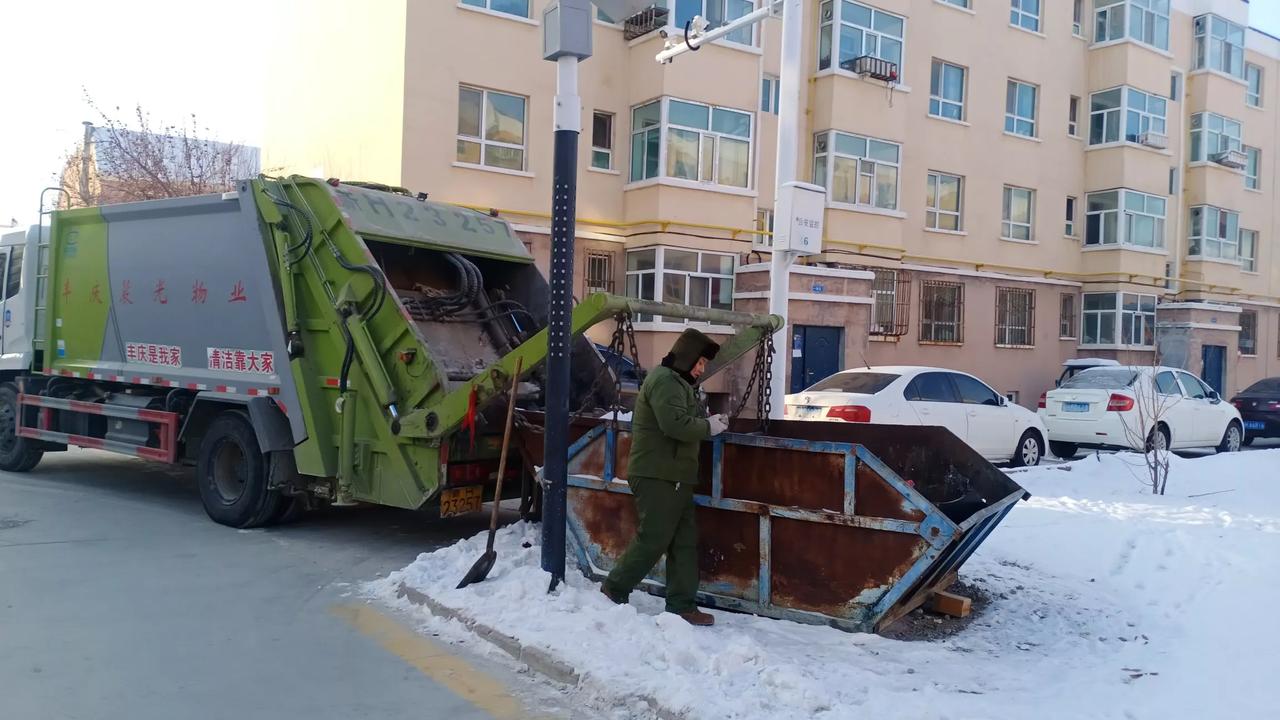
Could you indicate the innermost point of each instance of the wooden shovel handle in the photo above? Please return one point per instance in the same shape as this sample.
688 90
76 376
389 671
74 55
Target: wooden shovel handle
506 443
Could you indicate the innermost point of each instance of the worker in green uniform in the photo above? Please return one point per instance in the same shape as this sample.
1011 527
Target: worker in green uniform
667 429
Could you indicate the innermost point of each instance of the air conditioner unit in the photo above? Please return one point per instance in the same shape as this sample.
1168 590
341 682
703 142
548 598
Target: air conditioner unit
646 21
1230 158
872 66
1156 140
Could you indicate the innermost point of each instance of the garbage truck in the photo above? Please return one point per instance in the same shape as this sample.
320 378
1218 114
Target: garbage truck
299 341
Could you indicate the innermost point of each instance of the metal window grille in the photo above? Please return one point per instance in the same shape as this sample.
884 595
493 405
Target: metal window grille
941 312
599 274
891 290
1067 316
1015 317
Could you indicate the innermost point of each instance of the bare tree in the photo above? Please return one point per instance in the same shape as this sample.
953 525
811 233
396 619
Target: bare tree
1147 428
150 161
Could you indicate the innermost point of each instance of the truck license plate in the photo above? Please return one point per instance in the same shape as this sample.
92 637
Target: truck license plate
1075 407
460 501
1254 425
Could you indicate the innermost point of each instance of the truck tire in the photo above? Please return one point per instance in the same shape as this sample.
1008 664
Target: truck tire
17 454
232 474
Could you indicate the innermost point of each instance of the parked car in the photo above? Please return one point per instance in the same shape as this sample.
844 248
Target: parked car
1075 366
1259 406
999 430
1138 408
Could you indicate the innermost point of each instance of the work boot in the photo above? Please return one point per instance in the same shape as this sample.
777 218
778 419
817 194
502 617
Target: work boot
613 598
699 618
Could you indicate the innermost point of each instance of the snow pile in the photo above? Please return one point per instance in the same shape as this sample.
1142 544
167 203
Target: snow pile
1108 602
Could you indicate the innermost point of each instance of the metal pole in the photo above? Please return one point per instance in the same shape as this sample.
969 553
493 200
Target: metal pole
790 81
84 164
564 193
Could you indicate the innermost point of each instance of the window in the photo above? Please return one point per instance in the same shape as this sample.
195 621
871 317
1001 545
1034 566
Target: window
943 201
769 94
1253 75
1219 45
1212 134
1077 18
1167 384
1144 115
599 274
1119 319
857 170
850 30
1192 386
1215 233
957 3
1249 250
1015 317
1067 316
1248 332
1073 117
1175 85
1173 181
602 140
941 312
1253 157
519 8
946 91
891 290
1019 213
973 391
1025 14
862 383
491 128
13 282
667 274
717 13
1147 21
1124 217
1020 108
931 387
1070 229
700 142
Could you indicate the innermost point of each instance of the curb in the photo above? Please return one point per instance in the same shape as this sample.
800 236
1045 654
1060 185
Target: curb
538 660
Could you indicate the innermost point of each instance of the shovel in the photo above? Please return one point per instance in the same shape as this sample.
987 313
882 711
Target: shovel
484 563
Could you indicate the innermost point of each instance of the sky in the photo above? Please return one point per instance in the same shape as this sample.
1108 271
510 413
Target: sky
173 58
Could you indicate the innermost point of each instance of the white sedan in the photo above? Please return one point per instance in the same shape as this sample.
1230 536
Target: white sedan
999 430
1138 408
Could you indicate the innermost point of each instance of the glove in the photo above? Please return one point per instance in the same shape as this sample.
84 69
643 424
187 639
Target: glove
718 424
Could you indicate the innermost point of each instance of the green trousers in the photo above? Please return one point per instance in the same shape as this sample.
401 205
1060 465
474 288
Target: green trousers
666 525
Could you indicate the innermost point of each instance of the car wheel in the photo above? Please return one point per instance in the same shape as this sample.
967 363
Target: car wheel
1232 439
1064 450
1158 439
1029 451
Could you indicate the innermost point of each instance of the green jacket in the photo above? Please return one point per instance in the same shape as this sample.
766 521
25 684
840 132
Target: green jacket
667 429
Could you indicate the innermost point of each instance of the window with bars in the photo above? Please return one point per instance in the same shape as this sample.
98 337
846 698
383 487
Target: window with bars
599 272
1248 332
1015 317
941 312
1067 316
891 313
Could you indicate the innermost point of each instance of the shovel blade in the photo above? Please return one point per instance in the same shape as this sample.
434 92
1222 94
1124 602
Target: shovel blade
480 570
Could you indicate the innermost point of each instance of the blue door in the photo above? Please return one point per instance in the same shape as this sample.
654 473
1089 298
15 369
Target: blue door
1215 363
815 354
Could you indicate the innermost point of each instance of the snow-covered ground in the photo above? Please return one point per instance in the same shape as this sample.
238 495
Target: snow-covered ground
1107 602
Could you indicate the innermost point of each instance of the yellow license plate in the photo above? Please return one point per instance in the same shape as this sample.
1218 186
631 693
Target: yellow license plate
460 501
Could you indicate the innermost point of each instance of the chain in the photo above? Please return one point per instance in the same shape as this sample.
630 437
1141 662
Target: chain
764 401
623 333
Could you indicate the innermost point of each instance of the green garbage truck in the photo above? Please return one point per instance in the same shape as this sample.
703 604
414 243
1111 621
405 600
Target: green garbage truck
298 341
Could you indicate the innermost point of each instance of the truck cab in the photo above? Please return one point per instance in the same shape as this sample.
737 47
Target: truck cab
17 302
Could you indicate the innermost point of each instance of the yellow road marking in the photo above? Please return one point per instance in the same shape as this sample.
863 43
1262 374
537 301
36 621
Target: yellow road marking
435 661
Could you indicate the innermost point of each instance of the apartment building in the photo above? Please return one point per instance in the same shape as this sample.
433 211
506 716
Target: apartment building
1032 180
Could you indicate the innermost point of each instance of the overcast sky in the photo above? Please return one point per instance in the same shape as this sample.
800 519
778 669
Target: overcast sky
175 58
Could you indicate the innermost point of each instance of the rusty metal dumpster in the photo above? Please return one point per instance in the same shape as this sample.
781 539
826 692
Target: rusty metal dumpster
830 523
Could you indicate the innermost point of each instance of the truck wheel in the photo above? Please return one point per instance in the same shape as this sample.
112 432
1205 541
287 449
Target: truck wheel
17 454
1064 450
232 474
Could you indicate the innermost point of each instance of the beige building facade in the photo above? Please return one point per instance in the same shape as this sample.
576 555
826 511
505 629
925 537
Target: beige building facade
1044 180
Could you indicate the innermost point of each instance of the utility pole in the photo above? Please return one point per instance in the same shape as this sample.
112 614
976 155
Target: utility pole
84 163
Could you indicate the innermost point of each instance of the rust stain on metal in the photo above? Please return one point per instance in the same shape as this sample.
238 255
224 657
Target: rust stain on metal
874 497
823 568
608 518
591 460
624 455
729 549
809 480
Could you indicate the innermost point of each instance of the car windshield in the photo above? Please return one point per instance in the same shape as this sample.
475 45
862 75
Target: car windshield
1270 385
1100 378
863 383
